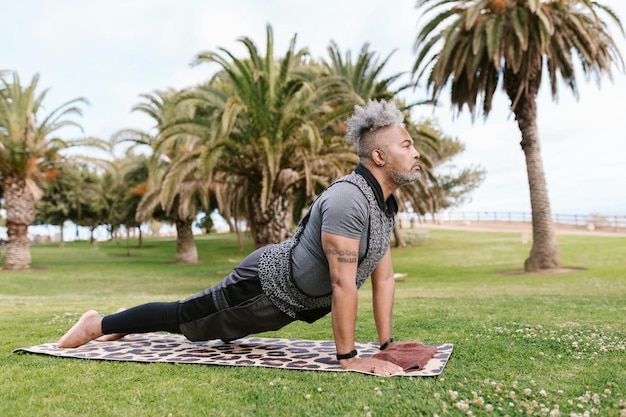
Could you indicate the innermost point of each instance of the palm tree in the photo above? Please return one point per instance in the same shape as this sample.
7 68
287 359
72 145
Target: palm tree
485 43
364 76
177 193
271 113
26 151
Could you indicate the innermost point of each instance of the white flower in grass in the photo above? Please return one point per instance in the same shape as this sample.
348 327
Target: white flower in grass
596 399
307 396
543 393
462 405
528 391
489 408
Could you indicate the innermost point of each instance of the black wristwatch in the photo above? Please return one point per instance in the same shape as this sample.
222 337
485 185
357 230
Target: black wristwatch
342 356
387 343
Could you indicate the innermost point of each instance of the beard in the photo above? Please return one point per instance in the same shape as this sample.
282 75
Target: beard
402 178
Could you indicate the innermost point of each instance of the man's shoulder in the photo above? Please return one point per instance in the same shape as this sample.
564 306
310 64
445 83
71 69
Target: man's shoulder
343 190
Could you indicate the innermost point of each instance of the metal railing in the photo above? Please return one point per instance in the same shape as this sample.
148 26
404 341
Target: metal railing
591 222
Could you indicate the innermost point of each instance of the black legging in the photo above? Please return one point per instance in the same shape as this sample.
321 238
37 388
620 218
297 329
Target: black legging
151 317
168 316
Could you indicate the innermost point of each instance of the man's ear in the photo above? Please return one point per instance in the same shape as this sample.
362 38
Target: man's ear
378 157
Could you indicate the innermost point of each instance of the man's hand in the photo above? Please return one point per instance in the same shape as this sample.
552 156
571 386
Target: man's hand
372 366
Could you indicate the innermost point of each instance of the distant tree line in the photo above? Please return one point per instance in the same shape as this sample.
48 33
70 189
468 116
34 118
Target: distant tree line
264 134
257 142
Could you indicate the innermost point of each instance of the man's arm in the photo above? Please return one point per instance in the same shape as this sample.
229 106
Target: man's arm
342 255
383 292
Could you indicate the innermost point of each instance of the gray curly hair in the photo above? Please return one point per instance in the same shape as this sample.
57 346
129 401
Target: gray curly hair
361 127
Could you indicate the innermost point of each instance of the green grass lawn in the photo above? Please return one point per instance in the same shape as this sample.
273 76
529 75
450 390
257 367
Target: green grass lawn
545 345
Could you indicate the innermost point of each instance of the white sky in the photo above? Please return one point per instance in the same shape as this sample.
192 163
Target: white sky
111 52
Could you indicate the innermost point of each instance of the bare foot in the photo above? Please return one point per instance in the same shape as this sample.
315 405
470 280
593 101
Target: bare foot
88 327
113 336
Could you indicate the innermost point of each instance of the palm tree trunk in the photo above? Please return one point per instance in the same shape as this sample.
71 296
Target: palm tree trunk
239 234
20 212
17 255
273 225
140 236
61 239
400 243
544 254
92 239
186 251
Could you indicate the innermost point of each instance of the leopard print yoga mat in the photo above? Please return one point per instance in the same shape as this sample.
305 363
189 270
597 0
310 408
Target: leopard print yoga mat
313 355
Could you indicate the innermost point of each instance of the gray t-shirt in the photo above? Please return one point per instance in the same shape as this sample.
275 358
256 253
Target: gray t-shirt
342 209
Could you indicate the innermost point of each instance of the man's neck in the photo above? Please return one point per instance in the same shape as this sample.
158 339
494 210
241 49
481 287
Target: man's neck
388 204
380 174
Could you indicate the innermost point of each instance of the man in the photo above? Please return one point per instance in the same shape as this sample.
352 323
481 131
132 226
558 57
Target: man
341 241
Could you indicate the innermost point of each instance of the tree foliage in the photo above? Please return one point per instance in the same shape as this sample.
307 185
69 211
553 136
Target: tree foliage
474 46
28 153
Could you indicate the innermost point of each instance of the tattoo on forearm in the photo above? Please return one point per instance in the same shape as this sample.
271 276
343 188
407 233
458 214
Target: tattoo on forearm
343 256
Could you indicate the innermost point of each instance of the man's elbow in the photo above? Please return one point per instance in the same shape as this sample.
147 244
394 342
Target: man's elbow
343 286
